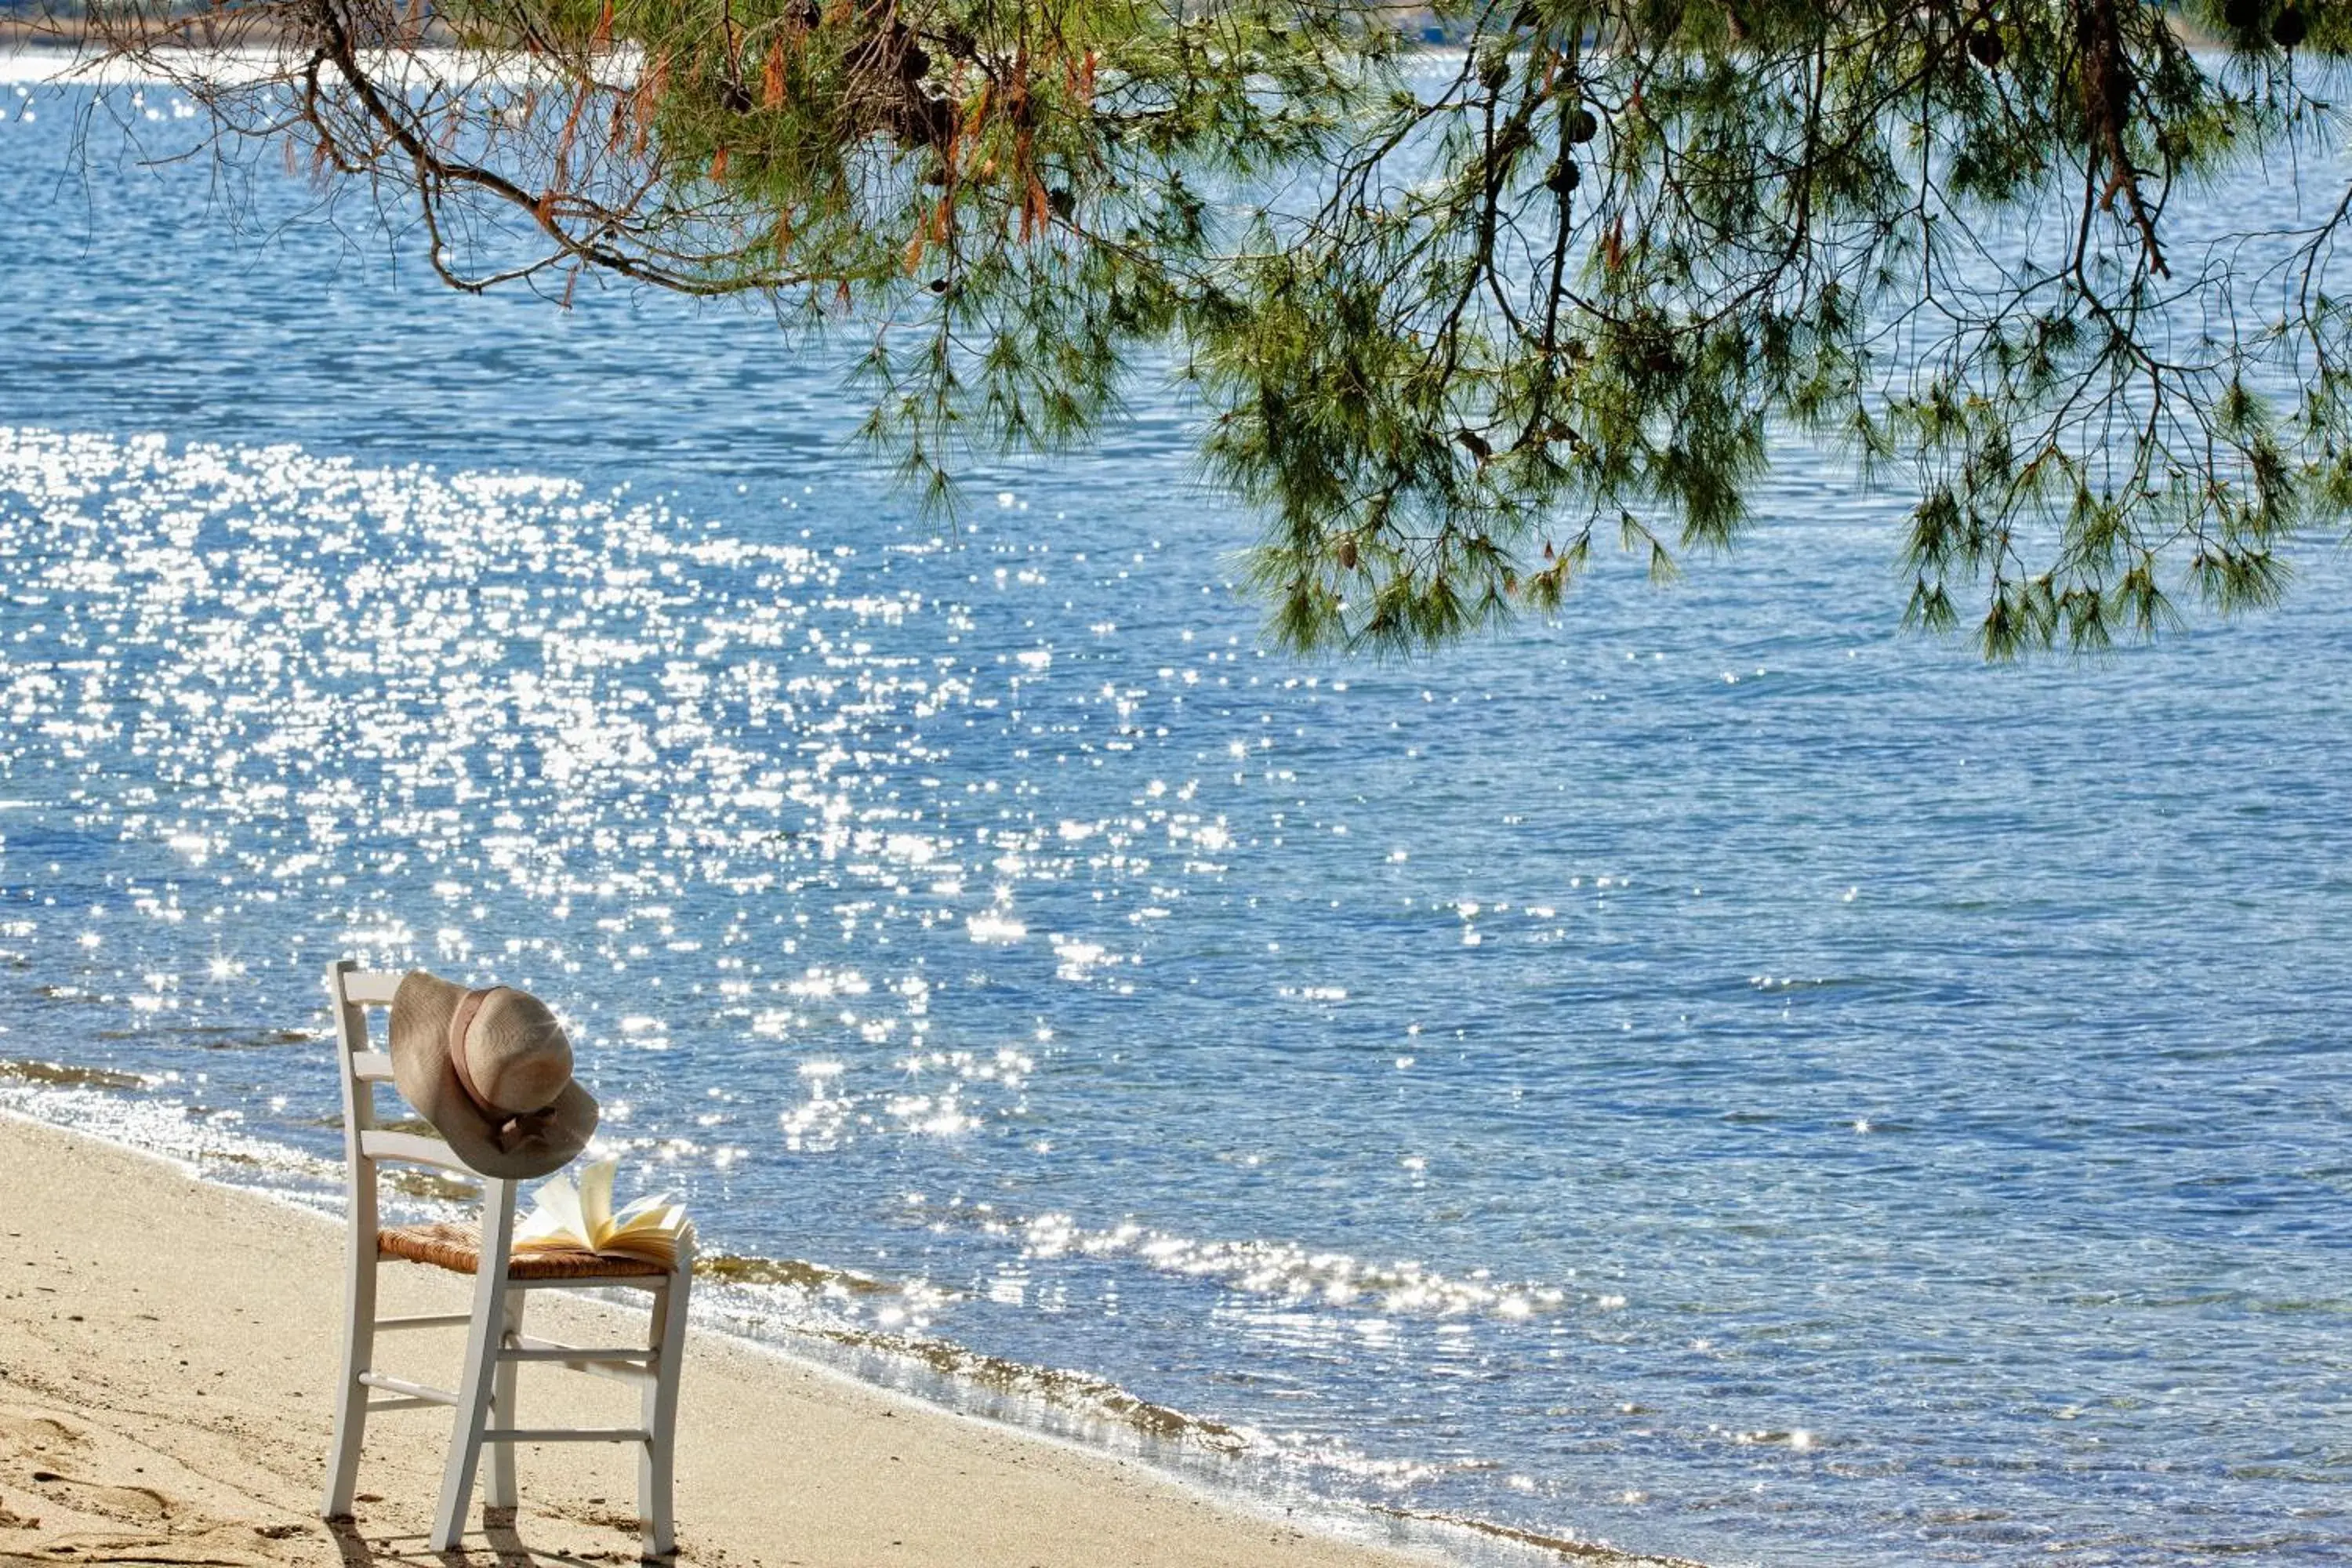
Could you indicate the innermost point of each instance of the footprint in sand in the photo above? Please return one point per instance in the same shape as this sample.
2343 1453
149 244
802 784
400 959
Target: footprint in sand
126 1505
43 1455
21 1433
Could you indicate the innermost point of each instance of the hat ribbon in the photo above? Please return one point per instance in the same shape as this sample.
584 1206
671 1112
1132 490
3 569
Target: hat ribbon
512 1129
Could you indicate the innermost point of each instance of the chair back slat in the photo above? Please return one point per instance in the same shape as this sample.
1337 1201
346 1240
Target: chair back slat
372 1066
413 1148
370 987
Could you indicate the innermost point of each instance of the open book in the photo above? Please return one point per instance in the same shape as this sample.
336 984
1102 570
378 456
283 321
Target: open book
580 1219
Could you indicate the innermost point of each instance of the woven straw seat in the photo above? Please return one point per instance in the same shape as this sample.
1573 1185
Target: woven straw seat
458 1248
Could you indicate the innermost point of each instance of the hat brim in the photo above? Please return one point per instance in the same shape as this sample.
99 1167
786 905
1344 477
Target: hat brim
421 1011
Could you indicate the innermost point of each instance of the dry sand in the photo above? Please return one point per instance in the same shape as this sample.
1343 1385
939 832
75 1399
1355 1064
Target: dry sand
167 1354
167 1357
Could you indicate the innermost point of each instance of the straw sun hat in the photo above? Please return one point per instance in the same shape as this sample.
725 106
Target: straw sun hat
492 1070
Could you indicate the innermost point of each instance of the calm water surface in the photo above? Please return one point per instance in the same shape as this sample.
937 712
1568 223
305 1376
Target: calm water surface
1716 1074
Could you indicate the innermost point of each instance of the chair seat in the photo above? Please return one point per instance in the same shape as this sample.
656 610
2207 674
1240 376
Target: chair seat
458 1248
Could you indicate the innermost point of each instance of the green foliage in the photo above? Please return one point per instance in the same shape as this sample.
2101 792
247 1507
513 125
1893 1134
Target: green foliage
1450 315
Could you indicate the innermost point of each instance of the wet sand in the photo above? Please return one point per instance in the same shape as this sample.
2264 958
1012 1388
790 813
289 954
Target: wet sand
167 1355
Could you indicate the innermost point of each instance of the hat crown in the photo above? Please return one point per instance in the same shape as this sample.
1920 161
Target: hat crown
515 1053
491 1070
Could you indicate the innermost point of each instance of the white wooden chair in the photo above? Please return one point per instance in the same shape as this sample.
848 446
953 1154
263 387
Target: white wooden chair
484 1400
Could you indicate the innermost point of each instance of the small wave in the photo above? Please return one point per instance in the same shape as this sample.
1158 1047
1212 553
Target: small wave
429 1185
69 1075
1566 1548
218 1038
1080 1391
737 1268
1299 1275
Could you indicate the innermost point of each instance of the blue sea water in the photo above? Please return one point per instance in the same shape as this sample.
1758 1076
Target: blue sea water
1715 1073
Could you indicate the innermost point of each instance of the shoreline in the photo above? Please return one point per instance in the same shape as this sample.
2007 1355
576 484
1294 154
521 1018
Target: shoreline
782 1458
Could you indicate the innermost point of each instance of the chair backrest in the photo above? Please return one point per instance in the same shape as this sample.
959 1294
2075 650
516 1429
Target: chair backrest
353 991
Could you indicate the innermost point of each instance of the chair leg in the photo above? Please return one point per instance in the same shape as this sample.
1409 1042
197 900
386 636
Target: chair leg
499 1482
351 1395
658 1405
474 1387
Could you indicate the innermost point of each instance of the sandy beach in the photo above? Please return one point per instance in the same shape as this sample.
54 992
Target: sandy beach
166 1354
166 1357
